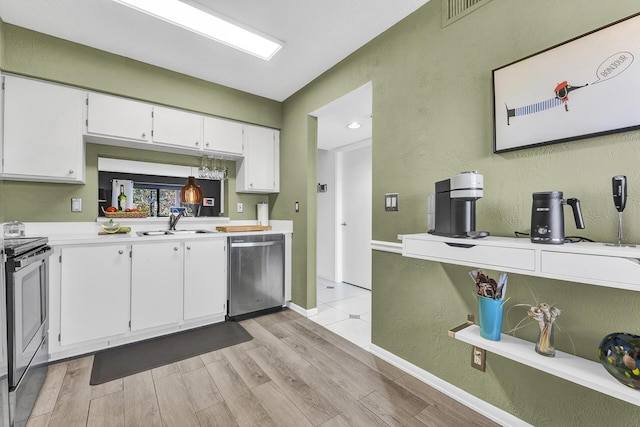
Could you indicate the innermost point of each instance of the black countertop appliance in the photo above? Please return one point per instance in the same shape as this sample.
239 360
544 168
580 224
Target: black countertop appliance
547 217
456 205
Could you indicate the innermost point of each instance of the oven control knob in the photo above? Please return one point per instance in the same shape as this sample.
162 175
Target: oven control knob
542 230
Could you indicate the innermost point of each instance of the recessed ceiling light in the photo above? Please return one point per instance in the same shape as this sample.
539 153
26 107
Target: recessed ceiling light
205 24
354 125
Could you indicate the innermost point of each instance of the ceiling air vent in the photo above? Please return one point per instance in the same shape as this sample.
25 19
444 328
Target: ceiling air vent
452 10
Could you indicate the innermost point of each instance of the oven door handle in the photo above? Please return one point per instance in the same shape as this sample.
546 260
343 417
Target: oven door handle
33 257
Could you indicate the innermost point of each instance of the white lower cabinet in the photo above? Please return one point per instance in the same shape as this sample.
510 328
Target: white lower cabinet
205 278
156 284
94 300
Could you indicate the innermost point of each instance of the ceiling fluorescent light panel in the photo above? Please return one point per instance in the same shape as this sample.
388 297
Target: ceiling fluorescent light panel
207 25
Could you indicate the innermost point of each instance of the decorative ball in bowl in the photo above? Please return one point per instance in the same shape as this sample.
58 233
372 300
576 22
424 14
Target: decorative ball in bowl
110 227
619 353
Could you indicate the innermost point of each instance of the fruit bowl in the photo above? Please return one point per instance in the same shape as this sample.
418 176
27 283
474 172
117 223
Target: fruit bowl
111 227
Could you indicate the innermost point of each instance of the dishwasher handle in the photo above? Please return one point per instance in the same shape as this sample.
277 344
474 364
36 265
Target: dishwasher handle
255 244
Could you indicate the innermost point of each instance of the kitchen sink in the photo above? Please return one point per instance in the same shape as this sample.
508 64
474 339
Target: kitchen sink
190 231
172 232
153 233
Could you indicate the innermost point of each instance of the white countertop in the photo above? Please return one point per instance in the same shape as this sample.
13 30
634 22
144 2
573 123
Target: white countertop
80 233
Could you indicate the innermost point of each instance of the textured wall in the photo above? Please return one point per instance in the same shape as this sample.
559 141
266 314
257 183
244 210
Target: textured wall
432 118
37 55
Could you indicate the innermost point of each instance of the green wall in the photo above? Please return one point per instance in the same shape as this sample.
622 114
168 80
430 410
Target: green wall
37 55
432 118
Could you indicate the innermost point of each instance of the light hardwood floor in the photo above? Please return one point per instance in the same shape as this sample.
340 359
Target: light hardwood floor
293 373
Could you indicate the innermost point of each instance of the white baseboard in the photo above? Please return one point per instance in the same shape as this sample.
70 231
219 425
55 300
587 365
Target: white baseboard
480 406
303 311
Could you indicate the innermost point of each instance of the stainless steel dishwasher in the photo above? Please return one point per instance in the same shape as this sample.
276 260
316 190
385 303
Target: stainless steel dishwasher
256 275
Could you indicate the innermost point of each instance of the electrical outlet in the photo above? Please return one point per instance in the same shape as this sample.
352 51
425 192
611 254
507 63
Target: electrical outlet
240 208
478 358
76 205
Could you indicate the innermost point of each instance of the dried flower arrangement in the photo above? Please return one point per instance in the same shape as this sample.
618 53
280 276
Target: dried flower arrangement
545 315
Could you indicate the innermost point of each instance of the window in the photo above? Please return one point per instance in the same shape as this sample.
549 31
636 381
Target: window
157 198
158 194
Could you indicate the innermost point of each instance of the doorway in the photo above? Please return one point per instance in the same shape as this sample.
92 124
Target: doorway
344 188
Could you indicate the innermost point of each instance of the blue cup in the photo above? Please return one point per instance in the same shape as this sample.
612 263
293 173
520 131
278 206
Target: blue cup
490 313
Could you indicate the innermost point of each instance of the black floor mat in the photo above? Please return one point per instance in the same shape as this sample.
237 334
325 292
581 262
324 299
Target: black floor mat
133 358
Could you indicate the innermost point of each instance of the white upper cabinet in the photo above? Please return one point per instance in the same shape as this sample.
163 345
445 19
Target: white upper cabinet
223 136
115 117
178 128
259 171
42 138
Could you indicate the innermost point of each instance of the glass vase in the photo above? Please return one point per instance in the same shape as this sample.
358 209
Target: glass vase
544 345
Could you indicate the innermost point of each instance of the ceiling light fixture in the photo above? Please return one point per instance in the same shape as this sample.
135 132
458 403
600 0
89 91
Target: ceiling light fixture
207 25
354 125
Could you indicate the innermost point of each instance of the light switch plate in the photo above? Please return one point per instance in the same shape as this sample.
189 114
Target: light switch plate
391 202
240 208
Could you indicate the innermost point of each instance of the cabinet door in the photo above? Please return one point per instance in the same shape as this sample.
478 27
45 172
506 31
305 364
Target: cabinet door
115 117
174 127
42 131
205 278
259 171
156 284
223 136
94 298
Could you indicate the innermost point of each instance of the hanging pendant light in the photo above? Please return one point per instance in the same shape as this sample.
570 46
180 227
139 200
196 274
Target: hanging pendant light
191 193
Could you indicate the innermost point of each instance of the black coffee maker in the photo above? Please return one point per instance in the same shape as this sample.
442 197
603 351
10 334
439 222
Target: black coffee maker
455 206
547 217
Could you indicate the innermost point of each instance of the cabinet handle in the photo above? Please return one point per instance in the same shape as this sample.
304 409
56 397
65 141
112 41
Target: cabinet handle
120 251
197 143
175 248
460 245
188 248
206 143
70 171
144 134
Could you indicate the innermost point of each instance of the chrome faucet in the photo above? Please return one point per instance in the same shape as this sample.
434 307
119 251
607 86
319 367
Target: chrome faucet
173 220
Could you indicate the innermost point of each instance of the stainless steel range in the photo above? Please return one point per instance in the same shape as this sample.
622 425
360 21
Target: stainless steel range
27 294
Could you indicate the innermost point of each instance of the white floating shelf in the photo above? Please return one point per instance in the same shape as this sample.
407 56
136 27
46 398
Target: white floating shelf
572 368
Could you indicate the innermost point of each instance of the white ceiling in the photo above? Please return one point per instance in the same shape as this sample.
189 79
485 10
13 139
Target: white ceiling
318 34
